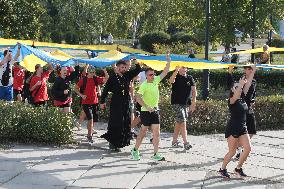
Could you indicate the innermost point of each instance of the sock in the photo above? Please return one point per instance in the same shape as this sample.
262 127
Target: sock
239 150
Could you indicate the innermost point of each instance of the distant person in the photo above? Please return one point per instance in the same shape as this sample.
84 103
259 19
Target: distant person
6 76
19 78
264 58
226 57
191 53
110 39
234 57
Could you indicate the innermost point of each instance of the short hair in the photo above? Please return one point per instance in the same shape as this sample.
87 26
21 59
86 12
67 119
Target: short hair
6 52
121 62
149 69
37 66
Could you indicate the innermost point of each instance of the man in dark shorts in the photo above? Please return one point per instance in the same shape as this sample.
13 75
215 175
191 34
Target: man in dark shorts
87 90
183 88
148 98
249 97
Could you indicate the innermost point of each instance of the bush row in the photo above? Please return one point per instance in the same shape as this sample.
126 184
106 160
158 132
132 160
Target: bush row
24 123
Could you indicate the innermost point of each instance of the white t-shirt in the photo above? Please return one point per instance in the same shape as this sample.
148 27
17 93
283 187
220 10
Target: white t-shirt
2 70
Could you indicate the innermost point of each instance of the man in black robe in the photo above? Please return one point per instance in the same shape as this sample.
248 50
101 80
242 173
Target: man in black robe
119 133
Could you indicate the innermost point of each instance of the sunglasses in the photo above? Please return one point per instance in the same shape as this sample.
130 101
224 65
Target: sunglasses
151 75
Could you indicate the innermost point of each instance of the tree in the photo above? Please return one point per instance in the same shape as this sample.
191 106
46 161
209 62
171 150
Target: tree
21 19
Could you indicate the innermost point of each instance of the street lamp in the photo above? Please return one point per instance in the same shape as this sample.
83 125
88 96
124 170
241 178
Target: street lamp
206 73
253 28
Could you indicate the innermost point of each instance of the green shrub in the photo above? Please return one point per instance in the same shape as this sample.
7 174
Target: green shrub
149 39
181 37
24 123
212 116
277 43
176 48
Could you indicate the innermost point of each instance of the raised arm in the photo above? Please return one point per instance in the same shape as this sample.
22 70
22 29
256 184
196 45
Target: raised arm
167 68
173 77
74 74
133 73
238 91
106 75
249 80
18 53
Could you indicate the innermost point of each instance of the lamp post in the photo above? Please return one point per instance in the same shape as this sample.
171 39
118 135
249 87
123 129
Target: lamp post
206 73
270 38
253 28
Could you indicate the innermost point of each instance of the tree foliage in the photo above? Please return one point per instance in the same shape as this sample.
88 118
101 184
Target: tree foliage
83 21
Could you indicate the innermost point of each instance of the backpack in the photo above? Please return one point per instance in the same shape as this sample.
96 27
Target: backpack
82 89
28 92
6 75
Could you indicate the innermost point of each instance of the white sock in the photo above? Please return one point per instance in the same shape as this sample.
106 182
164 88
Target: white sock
239 150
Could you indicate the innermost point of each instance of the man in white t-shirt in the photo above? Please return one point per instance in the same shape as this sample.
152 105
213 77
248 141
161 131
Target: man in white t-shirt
6 77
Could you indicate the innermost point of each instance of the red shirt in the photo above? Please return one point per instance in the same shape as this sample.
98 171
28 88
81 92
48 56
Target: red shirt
91 89
19 77
42 93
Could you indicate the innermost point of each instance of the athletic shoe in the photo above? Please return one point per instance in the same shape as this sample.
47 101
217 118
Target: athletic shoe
175 144
240 172
187 146
158 157
90 140
224 173
135 154
151 140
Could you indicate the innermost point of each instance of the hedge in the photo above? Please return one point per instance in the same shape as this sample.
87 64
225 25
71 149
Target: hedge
23 123
149 39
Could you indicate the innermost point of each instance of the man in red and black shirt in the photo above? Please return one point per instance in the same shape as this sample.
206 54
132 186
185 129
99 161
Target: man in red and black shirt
87 89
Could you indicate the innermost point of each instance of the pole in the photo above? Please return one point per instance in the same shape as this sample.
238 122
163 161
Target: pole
253 28
206 73
270 39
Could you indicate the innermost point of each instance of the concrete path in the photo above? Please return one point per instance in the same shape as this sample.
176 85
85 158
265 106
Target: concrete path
81 166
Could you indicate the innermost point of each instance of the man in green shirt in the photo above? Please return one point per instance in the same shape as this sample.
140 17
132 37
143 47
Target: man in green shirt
148 97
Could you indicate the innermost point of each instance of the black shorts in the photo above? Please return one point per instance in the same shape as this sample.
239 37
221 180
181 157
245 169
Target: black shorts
91 111
251 123
235 130
67 105
148 119
17 92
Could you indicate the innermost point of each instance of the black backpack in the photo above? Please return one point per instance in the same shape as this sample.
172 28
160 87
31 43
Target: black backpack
82 89
6 75
28 93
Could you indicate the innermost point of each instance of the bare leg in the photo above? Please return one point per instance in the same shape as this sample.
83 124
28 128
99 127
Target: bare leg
156 136
135 122
176 132
232 144
90 127
183 132
244 140
141 136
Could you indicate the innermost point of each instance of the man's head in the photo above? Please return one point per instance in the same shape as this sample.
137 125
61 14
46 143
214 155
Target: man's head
265 47
182 70
9 53
247 70
63 72
91 71
38 69
190 51
121 66
150 74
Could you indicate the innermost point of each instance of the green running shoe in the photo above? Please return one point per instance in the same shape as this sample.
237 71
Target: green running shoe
158 157
135 154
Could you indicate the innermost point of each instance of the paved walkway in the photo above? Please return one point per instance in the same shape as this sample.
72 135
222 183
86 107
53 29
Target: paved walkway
76 167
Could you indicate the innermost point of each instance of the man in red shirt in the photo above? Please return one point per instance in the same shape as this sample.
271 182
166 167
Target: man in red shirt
87 89
19 77
38 85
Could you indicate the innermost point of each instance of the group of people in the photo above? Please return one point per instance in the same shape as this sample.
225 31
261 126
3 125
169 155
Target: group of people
123 115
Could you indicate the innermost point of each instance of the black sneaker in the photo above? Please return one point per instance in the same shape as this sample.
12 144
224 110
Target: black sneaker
90 140
238 156
151 140
240 172
224 173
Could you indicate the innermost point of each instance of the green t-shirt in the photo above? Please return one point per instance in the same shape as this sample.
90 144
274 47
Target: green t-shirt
150 93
